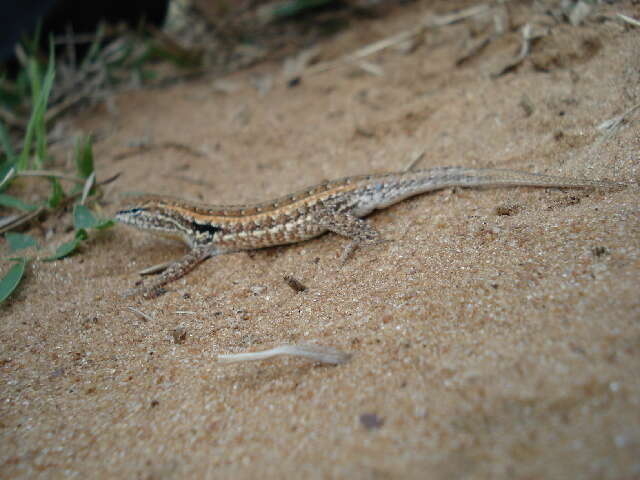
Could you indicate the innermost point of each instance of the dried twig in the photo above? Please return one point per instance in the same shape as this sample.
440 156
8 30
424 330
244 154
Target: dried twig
416 158
400 38
474 49
295 65
628 19
371 68
19 220
528 34
611 126
312 352
153 269
139 150
144 316
8 176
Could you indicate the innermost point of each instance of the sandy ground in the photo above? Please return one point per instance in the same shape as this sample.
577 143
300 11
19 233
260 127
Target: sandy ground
497 335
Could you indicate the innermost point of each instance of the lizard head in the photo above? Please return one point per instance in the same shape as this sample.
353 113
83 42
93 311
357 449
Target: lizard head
167 219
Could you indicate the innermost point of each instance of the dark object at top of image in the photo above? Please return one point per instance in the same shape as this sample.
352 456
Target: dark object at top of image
21 18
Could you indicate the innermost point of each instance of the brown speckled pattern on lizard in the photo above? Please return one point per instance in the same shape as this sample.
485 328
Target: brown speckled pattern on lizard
335 206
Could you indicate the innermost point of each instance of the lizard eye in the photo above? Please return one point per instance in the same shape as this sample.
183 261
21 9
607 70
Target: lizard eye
131 211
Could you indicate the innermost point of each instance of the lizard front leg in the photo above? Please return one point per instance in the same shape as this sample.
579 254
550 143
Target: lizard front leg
174 271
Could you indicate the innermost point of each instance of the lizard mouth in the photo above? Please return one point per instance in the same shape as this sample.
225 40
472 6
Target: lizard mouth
130 211
130 215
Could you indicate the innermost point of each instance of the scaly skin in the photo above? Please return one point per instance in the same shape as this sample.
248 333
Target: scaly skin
331 206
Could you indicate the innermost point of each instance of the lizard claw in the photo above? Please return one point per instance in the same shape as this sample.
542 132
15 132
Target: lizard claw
352 246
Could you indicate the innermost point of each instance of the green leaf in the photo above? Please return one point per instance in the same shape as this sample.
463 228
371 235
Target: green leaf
13 202
7 173
94 49
43 101
36 125
31 43
35 80
65 249
10 281
10 94
19 241
84 156
85 218
295 7
5 142
81 234
57 193
23 159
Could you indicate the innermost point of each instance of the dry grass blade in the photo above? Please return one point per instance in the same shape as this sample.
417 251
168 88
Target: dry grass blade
371 68
416 158
528 34
88 185
448 19
611 126
474 49
628 19
153 269
8 220
10 174
400 38
385 43
294 66
149 147
312 352
19 220
144 316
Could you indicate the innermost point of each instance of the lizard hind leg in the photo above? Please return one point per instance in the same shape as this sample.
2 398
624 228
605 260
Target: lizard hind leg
359 231
173 272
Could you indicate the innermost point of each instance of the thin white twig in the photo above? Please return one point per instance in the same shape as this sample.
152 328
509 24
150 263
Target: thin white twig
416 158
430 22
312 352
144 316
155 268
613 123
8 176
630 20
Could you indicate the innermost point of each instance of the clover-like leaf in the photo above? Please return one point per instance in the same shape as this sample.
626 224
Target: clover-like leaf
85 218
14 202
10 281
69 247
19 241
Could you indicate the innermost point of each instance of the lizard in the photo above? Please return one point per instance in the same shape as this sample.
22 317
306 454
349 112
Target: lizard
335 206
